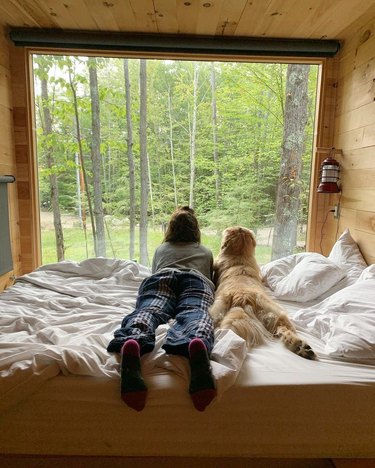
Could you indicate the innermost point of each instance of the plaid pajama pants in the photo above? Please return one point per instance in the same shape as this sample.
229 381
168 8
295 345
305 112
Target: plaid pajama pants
169 294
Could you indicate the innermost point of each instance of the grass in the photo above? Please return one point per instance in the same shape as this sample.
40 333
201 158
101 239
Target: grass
117 244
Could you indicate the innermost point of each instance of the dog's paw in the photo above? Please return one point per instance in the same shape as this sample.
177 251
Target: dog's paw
304 350
296 345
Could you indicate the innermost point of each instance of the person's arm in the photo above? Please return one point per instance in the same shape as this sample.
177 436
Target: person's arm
154 261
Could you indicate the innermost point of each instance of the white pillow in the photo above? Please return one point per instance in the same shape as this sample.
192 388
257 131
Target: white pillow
346 253
344 323
301 277
276 270
367 273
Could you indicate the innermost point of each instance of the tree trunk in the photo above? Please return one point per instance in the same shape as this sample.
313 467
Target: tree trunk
82 161
171 146
100 247
214 138
47 130
288 191
79 195
143 221
150 192
130 156
193 136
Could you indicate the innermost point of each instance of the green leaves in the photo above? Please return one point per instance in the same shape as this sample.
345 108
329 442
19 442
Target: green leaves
249 131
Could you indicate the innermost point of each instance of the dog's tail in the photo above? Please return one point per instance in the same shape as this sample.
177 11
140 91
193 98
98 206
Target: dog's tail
245 324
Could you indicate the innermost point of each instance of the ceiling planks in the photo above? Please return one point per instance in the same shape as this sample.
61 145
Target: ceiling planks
165 15
124 15
33 10
304 19
208 17
61 13
230 15
144 15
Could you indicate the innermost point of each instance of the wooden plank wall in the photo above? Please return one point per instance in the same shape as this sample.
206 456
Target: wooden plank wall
322 225
26 165
7 156
355 135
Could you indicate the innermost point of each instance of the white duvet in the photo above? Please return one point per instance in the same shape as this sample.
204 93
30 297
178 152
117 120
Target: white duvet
60 318
344 322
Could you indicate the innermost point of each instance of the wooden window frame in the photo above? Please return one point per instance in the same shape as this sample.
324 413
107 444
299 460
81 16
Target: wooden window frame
323 132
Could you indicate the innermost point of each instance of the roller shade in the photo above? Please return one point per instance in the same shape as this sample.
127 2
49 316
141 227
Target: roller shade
216 45
6 261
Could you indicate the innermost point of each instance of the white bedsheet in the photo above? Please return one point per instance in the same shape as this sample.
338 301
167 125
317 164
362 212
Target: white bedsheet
60 318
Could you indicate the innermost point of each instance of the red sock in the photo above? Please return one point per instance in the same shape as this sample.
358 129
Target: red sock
133 387
202 385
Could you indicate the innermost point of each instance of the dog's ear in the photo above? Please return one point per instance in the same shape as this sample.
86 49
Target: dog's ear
225 240
224 245
253 238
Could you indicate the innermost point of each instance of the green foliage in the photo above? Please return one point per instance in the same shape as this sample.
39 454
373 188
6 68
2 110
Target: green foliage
250 105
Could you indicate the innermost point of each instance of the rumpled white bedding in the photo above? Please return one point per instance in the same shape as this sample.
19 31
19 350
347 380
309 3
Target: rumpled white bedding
331 300
344 323
60 318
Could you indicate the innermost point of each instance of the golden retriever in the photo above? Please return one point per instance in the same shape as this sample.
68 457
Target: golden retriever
242 303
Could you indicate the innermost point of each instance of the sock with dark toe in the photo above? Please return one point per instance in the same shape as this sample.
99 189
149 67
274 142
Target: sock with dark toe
133 387
202 385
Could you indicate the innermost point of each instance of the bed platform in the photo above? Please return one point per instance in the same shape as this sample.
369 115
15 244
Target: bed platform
60 388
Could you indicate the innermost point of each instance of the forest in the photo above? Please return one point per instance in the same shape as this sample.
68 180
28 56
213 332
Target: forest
121 142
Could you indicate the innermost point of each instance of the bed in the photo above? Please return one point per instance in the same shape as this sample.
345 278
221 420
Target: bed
60 388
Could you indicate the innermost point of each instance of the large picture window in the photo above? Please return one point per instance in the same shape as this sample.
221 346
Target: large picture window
122 142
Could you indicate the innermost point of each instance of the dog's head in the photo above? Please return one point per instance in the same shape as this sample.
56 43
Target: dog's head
238 240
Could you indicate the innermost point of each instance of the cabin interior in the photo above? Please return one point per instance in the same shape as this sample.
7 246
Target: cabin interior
346 115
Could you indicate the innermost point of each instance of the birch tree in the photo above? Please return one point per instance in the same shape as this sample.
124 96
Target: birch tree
171 146
81 157
100 247
193 134
130 157
143 219
48 134
214 137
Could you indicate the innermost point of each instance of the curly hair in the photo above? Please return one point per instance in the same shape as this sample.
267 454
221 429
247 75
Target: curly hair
183 226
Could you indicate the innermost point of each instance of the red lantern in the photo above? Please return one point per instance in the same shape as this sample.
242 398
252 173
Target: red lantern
329 176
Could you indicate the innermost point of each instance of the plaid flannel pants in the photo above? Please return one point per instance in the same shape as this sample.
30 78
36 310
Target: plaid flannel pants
169 294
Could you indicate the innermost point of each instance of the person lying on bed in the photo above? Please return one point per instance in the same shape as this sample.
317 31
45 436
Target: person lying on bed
179 288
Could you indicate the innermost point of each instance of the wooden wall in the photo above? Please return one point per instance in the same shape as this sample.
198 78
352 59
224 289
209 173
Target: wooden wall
321 222
7 155
26 163
355 135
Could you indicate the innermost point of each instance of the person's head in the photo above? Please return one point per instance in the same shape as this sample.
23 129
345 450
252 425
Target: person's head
183 226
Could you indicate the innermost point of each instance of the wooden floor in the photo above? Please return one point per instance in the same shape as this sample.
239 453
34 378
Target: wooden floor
21 461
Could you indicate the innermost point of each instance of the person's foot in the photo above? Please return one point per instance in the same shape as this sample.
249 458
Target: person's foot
202 384
133 387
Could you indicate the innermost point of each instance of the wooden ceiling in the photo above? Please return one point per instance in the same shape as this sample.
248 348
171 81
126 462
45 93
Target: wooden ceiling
309 19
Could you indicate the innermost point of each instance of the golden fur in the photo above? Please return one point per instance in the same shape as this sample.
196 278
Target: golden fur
241 302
